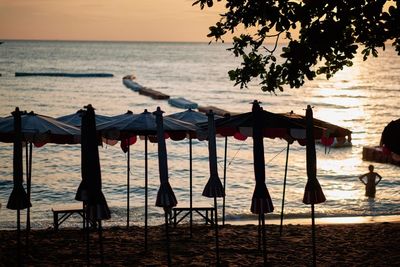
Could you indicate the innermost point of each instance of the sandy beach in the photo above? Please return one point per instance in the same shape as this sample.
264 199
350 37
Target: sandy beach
369 244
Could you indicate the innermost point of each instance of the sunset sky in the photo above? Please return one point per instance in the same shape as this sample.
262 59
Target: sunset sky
111 20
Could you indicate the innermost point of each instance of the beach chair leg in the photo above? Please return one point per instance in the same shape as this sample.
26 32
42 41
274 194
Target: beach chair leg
55 220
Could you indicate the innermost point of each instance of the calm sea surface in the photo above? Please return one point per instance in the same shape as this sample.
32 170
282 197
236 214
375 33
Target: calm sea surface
363 98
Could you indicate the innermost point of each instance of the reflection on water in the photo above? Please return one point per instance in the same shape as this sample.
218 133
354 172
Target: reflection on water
363 98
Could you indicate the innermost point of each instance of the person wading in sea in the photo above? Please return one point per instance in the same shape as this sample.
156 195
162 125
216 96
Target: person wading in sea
370 184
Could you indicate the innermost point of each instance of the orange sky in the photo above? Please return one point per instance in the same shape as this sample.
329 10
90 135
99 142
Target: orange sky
112 20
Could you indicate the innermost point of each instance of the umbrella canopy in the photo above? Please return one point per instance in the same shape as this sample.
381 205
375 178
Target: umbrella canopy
261 201
214 186
390 137
190 116
273 126
143 124
165 196
39 129
96 204
194 117
18 199
330 133
75 119
313 192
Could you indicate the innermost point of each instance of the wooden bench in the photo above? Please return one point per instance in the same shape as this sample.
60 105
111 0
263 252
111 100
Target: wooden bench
207 213
62 213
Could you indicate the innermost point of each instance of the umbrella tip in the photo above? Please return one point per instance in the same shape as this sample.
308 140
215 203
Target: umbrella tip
16 111
158 111
256 105
89 106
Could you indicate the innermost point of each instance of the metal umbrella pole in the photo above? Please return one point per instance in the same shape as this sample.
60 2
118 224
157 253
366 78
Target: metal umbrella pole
128 186
223 199
191 186
284 190
146 184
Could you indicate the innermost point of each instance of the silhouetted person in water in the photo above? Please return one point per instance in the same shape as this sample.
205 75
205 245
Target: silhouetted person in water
370 184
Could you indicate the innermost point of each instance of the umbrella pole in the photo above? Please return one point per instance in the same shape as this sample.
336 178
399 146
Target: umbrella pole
19 238
84 220
87 241
264 241
191 185
313 235
167 238
259 231
28 187
223 200
100 230
284 190
216 231
145 193
128 186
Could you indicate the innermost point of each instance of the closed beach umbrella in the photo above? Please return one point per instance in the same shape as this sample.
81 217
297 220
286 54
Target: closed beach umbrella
261 202
165 196
96 207
313 192
18 199
213 188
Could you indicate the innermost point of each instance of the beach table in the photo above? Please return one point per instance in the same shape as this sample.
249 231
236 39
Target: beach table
62 212
205 211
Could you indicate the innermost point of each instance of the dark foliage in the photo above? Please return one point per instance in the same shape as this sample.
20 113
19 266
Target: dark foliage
330 33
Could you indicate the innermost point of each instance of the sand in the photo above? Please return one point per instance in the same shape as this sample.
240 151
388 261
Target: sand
373 244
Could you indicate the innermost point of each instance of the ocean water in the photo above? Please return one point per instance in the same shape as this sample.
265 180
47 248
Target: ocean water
363 98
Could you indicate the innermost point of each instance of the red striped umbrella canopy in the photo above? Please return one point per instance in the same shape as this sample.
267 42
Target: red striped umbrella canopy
128 124
193 117
289 127
273 126
331 131
39 129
